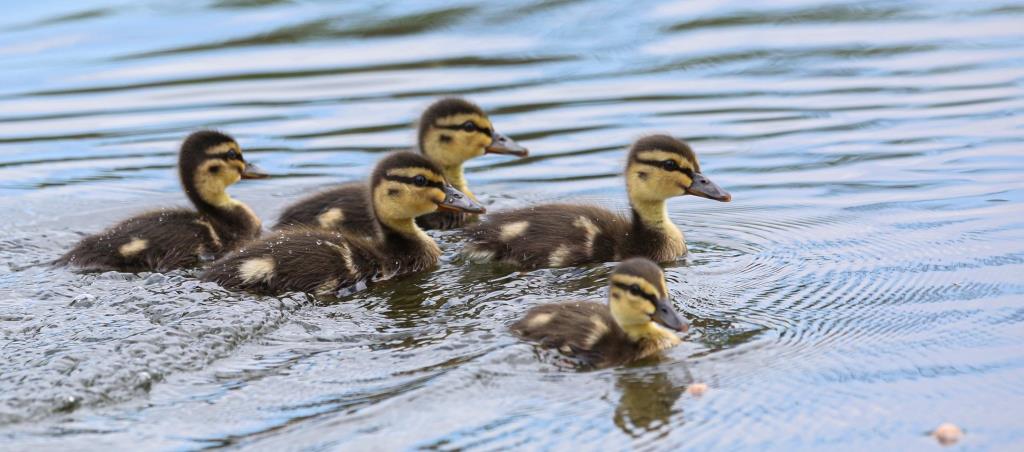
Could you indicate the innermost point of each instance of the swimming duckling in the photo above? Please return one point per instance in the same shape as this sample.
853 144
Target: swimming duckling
403 186
167 239
451 131
637 322
558 235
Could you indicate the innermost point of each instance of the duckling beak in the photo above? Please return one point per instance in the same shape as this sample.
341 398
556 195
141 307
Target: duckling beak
501 144
457 201
665 315
254 172
703 187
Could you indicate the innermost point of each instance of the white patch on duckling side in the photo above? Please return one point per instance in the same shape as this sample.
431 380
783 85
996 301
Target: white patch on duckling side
211 232
256 269
513 230
560 256
479 255
590 231
596 333
135 246
330 217
327 287
346 255
538 320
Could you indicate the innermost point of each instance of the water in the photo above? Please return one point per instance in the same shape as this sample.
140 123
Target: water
863 287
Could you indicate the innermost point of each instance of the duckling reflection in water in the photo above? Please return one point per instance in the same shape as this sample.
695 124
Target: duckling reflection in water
164 240
638 321
560 235
451 132
403 187
647 403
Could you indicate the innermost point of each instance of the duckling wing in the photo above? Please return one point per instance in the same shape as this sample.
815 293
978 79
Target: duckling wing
345 208
162 240
297 260
583 330
551 235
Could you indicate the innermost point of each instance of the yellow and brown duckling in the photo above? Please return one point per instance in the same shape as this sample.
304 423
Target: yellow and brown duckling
558 235
638 321
167 239
403 186
451 132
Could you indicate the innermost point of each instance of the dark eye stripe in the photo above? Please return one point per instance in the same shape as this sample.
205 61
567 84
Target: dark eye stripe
657 163
412 181
479 129
644 294
228 156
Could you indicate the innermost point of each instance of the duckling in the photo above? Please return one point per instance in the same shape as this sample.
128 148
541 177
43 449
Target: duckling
638 321
557 235
451 132
167 239
403 186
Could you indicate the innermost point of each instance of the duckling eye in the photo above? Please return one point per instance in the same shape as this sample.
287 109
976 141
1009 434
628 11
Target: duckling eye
635 290
231 155
469 126
669 165
419 181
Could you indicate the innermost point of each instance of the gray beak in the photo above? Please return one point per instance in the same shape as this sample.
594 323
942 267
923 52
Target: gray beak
254 172
703 187
665 315
457 201
501 144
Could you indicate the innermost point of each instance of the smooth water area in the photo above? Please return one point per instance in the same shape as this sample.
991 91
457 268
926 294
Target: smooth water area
864 286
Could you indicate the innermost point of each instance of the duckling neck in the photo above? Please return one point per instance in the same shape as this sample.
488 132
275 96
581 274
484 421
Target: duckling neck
650 338
404 230
654 235
455 176
232 218
654 215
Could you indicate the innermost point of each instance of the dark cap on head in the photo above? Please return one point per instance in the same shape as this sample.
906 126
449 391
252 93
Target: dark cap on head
446 107
401 159
664 143
193 149
643 268
205 139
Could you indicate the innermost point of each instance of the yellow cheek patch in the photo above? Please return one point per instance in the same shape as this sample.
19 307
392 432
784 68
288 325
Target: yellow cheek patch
437 195
684 180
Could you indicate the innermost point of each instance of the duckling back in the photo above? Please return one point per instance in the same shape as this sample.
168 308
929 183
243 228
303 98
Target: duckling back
583 330
159 241
550 235
345 208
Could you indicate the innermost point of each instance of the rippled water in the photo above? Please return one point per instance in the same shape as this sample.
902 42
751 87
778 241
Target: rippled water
863 287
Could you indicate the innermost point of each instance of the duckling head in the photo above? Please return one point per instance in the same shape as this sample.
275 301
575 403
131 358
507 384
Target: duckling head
661 167
209 162
639 300
453 130
407 185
